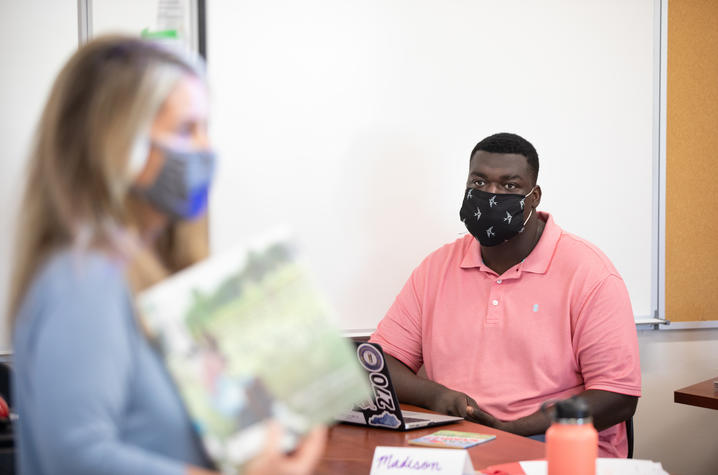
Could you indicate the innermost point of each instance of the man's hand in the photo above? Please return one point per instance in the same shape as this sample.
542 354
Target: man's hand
453 403
456 403
474 414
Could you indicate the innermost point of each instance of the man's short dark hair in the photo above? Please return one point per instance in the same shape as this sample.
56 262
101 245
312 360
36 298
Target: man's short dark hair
505 142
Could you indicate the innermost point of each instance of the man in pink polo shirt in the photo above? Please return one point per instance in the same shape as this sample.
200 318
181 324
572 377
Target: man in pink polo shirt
515 313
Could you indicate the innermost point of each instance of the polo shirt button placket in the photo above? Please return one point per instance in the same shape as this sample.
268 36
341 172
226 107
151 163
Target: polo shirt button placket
494 311
493 315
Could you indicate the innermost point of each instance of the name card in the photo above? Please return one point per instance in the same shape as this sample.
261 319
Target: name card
412 460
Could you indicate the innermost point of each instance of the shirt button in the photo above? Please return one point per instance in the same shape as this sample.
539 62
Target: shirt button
495 302
499 281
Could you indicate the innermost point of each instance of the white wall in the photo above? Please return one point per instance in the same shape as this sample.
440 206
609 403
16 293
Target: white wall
37 37
683 438
353 123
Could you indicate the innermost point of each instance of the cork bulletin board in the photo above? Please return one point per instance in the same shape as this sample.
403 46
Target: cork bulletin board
692 161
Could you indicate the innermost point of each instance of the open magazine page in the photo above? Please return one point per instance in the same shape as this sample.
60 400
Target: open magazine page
246 338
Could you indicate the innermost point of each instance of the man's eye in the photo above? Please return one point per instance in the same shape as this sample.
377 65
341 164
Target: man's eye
479 182
510 186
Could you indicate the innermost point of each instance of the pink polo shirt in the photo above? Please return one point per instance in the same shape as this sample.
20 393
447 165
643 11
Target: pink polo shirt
552 326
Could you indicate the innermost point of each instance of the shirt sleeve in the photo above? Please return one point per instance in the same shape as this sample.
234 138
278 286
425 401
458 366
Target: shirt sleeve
80 371
399 332
605 341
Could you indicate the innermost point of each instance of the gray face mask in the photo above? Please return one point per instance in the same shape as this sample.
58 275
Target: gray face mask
182 185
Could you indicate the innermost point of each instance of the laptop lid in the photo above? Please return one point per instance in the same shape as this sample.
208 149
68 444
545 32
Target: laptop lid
382 409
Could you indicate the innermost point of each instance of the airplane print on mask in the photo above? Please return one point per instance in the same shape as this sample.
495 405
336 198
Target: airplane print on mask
490 232
468 194
478 213
492 202
508 217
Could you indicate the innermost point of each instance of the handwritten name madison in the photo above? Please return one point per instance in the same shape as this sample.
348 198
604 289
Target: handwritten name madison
391 462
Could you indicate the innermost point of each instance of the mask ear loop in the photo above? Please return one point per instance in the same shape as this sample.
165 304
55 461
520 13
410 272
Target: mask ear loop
527 219
530 212
136 161
138 157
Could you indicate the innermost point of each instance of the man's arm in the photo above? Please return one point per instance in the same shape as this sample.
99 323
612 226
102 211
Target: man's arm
413 389
608 409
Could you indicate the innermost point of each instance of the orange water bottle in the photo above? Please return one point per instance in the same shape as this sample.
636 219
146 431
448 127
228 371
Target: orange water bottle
572 441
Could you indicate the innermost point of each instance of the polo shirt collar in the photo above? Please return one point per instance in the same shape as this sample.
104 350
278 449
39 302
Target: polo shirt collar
537 261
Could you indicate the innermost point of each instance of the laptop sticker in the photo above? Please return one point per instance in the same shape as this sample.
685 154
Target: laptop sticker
383 407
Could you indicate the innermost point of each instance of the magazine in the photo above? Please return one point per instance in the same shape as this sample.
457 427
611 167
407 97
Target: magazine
247 338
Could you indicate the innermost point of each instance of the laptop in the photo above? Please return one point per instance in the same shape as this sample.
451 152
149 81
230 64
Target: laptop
382 409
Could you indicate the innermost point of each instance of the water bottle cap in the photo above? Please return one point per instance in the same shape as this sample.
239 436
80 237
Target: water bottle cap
573 408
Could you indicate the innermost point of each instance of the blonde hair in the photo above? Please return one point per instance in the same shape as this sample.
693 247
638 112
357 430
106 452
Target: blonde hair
100 110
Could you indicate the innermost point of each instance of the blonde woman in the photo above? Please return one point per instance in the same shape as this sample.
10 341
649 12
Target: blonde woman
115 201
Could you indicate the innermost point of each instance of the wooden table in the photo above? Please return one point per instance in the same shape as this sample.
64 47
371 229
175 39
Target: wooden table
703 394
350 448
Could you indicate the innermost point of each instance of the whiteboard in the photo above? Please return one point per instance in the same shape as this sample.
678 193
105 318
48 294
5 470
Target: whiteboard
352 122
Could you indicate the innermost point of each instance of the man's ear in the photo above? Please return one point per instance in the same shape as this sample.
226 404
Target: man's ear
536 194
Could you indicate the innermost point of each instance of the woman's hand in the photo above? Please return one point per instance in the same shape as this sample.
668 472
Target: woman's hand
302 461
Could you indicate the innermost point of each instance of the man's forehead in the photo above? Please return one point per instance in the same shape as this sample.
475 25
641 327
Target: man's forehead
503 163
